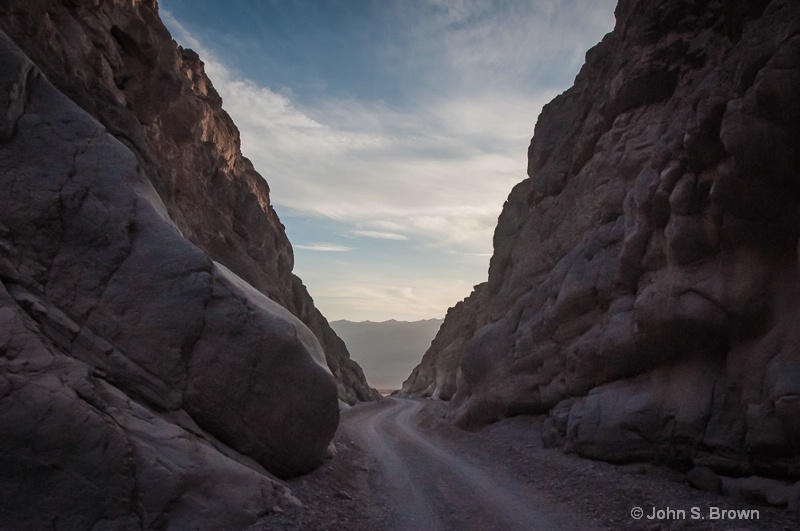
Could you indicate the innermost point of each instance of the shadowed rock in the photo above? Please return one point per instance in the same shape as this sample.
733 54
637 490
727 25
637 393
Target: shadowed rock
141 383
644 283
118 62
437 374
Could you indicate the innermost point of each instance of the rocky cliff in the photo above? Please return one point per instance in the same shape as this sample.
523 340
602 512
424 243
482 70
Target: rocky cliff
436 375
155 369
117 61
644 285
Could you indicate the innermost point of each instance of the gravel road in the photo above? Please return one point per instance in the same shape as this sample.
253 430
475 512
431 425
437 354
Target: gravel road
435 485
400 466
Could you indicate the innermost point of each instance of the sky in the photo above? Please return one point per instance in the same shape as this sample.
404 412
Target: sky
390 131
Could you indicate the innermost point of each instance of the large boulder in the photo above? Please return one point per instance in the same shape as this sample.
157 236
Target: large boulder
141 383
644 284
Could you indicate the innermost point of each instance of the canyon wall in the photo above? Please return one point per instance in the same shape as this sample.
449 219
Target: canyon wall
159 363
117 61
644 289
436 375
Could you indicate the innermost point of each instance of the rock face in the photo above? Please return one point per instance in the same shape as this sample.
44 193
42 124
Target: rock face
437 374
151 375
117 61
644 287
141 383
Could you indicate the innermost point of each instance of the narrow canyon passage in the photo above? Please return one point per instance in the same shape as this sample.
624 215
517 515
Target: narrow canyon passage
435 483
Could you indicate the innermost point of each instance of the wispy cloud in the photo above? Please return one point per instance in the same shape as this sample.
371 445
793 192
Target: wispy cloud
325 247
373 297
439 172
432 172
378 235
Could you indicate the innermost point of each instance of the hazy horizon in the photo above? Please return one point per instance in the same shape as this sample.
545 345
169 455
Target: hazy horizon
387 351
386 321
390 132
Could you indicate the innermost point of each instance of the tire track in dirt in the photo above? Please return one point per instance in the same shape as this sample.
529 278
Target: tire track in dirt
433 485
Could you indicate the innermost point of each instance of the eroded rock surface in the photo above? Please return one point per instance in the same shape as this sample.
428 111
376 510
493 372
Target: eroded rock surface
118 62
437 374
142 384
644 284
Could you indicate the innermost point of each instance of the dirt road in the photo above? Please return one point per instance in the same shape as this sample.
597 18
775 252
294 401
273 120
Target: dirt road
437 485
400 466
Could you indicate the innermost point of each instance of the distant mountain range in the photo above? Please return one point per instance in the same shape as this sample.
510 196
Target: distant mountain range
387 351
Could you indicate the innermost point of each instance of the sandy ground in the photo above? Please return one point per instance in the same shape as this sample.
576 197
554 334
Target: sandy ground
400 466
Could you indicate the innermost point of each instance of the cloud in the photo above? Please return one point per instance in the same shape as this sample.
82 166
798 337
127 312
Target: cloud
431 169
325 247
435 186
378 298
378 235
439 172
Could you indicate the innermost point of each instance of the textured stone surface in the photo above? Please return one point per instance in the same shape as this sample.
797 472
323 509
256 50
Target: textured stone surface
644 283
704 478
142 385
116 59
78 453
437 374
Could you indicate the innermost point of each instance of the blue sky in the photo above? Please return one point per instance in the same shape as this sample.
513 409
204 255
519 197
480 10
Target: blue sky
390 131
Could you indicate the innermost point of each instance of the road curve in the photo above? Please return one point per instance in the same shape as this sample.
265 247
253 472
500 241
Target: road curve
434 484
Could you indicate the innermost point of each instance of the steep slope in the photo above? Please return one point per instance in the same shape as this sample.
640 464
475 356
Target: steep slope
644 283
117 61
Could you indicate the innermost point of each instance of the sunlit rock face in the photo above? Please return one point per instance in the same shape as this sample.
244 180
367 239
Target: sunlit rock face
644 284
117 61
